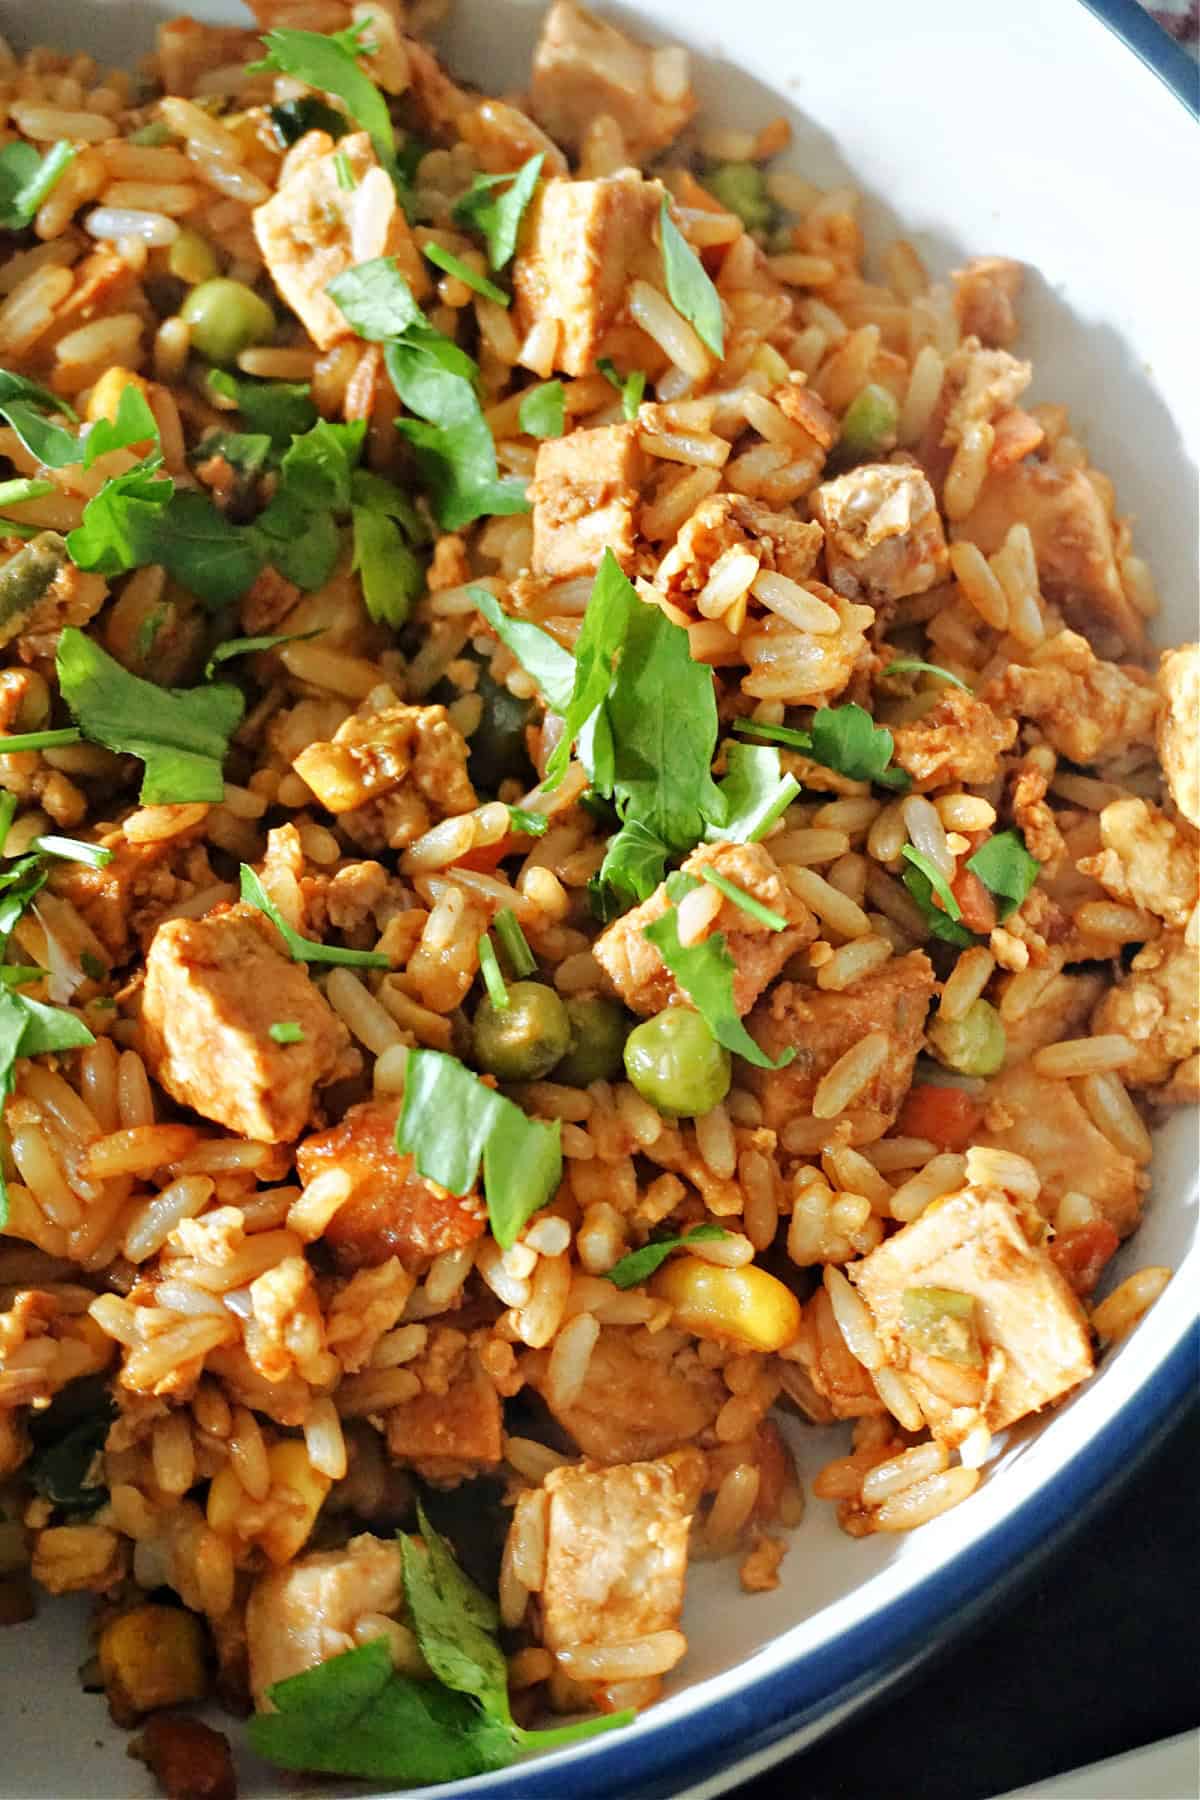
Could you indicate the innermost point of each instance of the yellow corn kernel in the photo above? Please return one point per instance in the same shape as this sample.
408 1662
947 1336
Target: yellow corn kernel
301 1489
226 1498
106 395
152 1657
746 1306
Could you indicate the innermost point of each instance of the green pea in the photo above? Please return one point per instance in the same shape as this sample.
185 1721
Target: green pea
192 258
742 187
869 425
523 1040
675 1062
974 1044
226 317
598 1031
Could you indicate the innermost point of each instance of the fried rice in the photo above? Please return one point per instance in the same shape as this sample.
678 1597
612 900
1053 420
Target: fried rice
392 1122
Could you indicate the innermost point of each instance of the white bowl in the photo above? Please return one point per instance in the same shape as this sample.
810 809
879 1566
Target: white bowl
1028 129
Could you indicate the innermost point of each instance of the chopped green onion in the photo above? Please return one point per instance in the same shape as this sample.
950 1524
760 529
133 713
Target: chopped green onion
39 740
536 824
454 265
286 1031
911 665
742 188
941 1322
870 421
935 878
8 812
772 920
73 850
521 959
15 493
789 735
493 980
346 178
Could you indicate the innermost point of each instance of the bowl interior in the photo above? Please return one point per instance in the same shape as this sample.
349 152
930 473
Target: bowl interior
932 117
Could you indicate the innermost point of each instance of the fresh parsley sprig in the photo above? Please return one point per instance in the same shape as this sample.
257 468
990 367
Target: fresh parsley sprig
638 1265
303 949
705 971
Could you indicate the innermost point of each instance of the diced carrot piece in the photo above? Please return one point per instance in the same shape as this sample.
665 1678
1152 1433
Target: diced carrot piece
977 904
947 1116
1082 1254
1017 434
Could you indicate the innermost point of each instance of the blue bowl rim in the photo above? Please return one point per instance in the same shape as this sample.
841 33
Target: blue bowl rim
775 1707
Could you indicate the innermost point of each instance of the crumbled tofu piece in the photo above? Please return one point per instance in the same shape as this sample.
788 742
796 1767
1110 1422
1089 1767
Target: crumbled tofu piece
634 1402
972 1243
371 754
451 1430
1089 710
883 536
301 1615
584 241
214 987
821 1027
636 969
1041 1119
805 668
1147 861
584 69
391 1211
1179 727
1157 1005
728 522
984 296
958 740
981 385
1072 541
313 229
616 1554
585 494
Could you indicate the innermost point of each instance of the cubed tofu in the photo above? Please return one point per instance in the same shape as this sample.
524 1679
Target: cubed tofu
883 535
452 1433
302 1615
584 241
616 1554
728 522
1179 727
820 1027
972 1243
958 740
1042 1120
634 1402
585 495
214 987
636 969
391 1211
1072 541
313 228
373 753
584 69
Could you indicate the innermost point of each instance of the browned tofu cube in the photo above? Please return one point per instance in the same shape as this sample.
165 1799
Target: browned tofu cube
634 1403
883 535
373 753
584 241
303 1614
971 1243
636 969
616 1554
820 1027
450 1431
214 987
1044 1121
314 227
584 68
585 497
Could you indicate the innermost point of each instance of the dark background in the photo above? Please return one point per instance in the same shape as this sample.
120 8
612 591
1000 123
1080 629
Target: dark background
1097 1652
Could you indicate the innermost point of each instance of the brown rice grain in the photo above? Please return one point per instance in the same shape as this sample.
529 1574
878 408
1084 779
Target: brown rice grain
1107 1102
940 1175
901 1472
1128 1304
1072 1058
850 1075
965 984
925 1500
